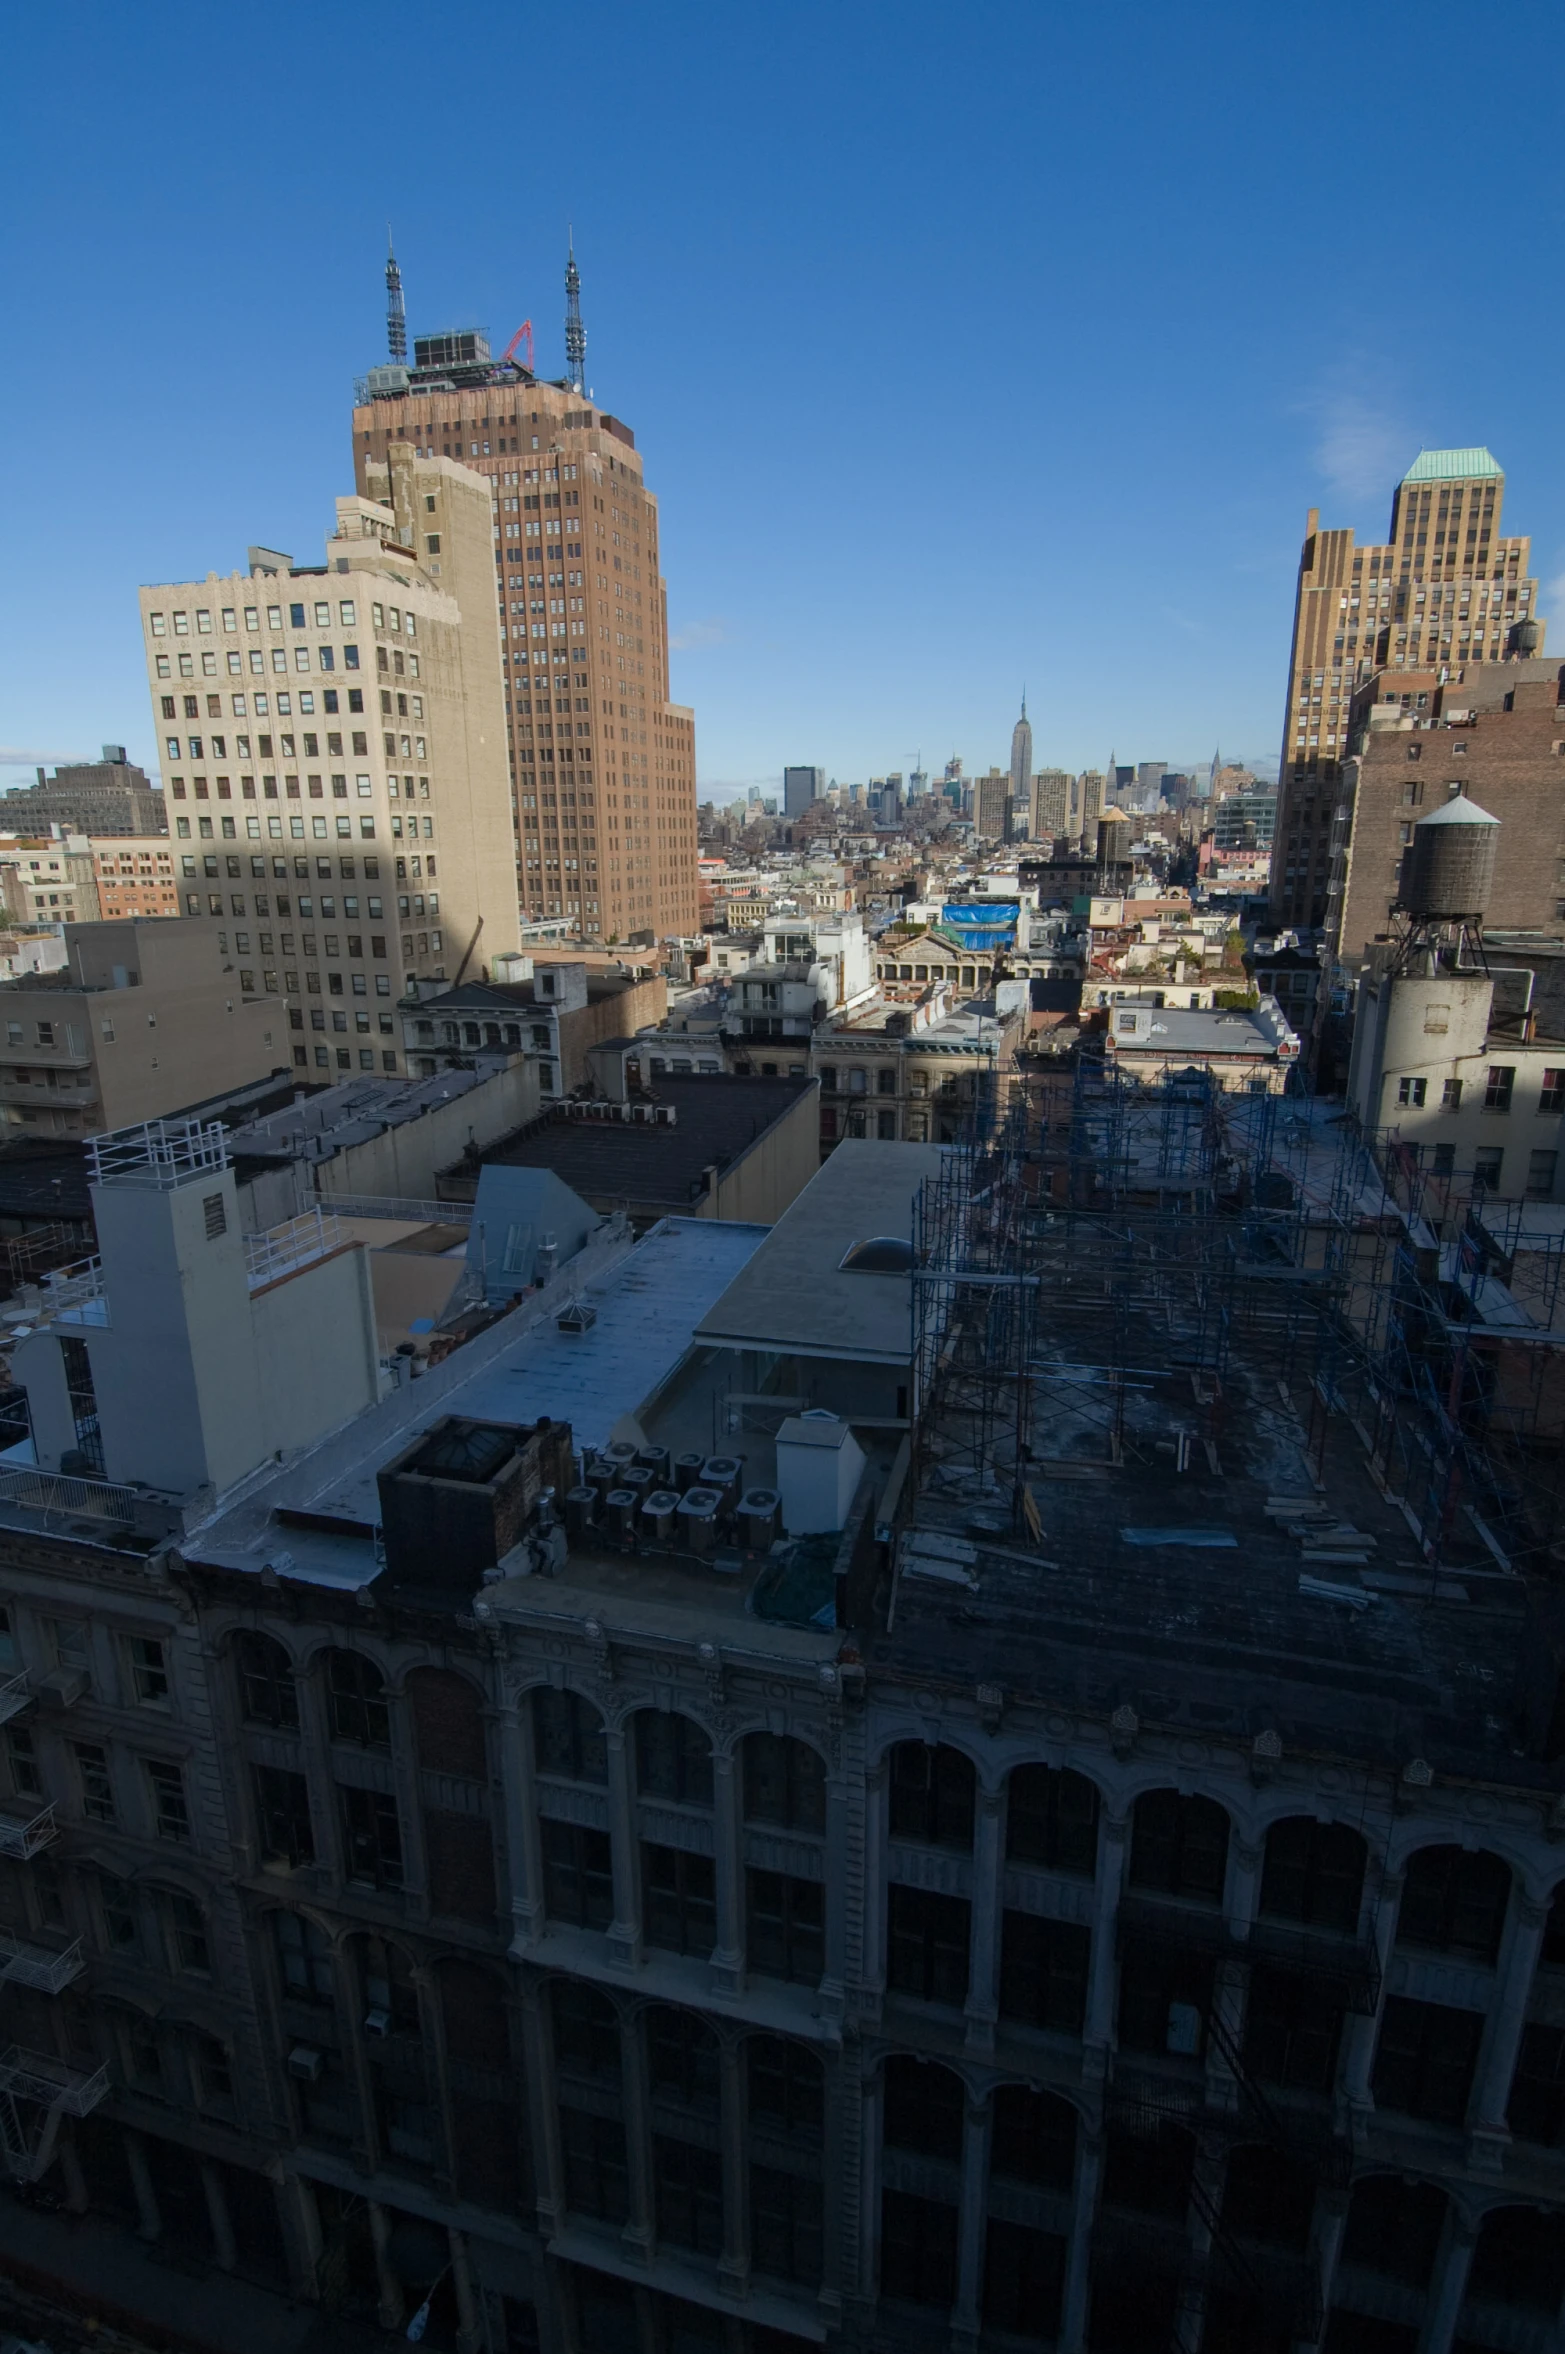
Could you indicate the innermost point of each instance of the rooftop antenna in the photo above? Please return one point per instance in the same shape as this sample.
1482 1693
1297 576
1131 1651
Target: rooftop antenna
396 315
575 332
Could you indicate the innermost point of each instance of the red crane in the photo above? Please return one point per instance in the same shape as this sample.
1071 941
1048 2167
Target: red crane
523 336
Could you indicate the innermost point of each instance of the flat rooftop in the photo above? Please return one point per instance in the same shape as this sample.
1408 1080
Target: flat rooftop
350 1114
793 1293
637 1164
648 1299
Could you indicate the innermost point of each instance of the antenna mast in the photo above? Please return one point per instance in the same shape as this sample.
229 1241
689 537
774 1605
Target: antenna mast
575 332
396 315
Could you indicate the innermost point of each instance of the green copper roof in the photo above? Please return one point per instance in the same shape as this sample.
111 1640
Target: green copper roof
1451 465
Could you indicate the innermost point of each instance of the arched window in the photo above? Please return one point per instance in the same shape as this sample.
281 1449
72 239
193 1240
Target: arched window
1314 1874
784 1783
1454 1902
356 1700
1394 2228
1179 1846
568 1737
592 2142
673 1758
268 1694
1033 2139
1519 2260
932 1795
1051 1818
925 2109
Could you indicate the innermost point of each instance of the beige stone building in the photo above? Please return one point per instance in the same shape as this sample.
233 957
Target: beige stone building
602 763
52 880
145 1018
1446 588
326 727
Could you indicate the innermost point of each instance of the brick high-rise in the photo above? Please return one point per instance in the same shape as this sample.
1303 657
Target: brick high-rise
602 763
1446 589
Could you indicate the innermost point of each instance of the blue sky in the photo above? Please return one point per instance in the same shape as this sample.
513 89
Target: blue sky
966 346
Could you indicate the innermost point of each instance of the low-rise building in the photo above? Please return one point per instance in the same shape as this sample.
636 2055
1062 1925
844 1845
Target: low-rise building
143 1019
915 1074
51 879
551 1011
1242 1047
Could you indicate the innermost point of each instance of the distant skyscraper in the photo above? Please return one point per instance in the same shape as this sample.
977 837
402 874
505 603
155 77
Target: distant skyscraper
1021 755
602 764
801 786
1444 590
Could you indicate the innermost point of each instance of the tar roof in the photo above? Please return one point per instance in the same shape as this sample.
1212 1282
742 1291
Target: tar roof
642 1163
647 1300
794 1293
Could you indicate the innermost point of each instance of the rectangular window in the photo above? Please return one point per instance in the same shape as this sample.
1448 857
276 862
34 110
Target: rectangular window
592 2150
927 1945
1424 2066
1540 1174
578 1875
1412 1091
785 1929
1488 1163
170 1812
148 1671
679 1899
786 2224
97 1791
84 1409
22 1757
372 1837
918 2249
282 1808
1451 1096
1043 1973
1498 1087
688 2184
1551 1097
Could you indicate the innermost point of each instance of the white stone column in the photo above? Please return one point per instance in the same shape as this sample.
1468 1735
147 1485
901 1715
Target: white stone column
1078 2254
835 1898
390 2309
223 2246
733 2266
983 1981
625 1928
1358 2054
640 2228
1098 2031
299 2219
149 2222
470 2329
1507 2018
523 1851
728 1873
1449 2286
869 2187
965 2320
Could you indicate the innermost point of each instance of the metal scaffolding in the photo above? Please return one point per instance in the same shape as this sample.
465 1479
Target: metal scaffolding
1104 1232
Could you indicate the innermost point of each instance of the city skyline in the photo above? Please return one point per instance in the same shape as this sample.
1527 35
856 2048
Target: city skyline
1186 432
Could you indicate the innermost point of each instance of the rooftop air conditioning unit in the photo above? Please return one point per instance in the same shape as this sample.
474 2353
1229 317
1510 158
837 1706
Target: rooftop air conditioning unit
62 1687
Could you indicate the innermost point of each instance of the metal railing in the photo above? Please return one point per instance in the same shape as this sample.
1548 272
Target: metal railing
73 1290
14 1696
52 2083
283 1249
371 1205
162 1151
24 1835
39 1966
71 1498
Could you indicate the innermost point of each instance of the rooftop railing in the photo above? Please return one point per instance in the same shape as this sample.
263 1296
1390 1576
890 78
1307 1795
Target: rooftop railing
282 1250
158 1152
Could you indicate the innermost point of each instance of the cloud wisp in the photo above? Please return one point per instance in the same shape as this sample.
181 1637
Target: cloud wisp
693 637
